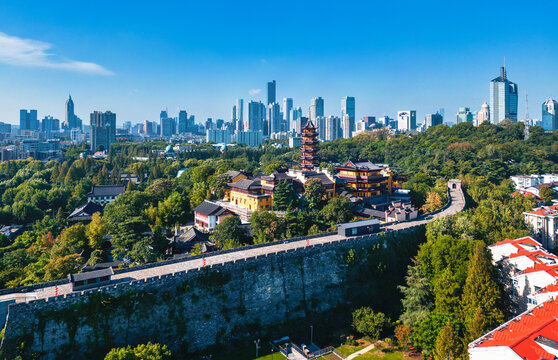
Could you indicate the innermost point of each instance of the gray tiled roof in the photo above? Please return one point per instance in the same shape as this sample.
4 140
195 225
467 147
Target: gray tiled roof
208 208
90 208
244 184
107 190
91 275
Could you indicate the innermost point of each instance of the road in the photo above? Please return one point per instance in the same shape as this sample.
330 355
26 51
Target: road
456 204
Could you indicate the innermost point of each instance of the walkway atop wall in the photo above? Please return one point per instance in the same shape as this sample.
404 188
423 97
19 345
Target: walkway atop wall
456 203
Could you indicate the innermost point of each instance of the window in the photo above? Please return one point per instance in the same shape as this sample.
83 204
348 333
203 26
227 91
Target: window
354 231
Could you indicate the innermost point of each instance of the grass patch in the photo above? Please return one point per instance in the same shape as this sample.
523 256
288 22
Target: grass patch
377 354
347 350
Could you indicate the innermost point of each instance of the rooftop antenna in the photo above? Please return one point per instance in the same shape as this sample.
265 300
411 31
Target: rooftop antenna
526 106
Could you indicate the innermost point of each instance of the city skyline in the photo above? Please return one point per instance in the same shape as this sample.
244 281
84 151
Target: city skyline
385 67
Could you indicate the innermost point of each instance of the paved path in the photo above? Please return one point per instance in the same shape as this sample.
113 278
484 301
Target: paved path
360 352
456 204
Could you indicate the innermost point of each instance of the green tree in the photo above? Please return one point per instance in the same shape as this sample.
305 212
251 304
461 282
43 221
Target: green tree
266 226
337 211
433 202
96 230
219 184
229 233
448 346
417 298
481 294
126 234
200 192
283 196
425 332
314 193
547 194
60 267
447 293
368 322
147 351
72 240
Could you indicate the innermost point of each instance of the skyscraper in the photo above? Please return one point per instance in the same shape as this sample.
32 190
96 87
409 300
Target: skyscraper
503 98
271 88
348 108
239 115
274 117
406 120
316 109
182 122
346 126
321 124
71 120
332 126
549 120
464 115
49 124
28 120
168 125
484 114
256 116
287 106
294 114
103 129
433 120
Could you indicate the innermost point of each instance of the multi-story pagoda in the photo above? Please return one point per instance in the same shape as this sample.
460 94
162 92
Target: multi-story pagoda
309 147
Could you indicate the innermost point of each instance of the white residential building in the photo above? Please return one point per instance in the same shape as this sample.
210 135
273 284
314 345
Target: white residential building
544 224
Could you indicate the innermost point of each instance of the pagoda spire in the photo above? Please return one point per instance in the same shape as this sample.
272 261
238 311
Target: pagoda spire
309 147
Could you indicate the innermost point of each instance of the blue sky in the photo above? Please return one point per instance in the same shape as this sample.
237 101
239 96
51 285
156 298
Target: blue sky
136 58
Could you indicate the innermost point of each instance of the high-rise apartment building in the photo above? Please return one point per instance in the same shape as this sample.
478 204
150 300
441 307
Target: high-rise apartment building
256 116
484 114
167 125
182 122
433 120
316 109
191 127
49 124
549 120
348 108
295 115
271 92
464 115
332 128
503 98
274 117
239 115
28 120
103 129
233 117
406 120
287 106
346 126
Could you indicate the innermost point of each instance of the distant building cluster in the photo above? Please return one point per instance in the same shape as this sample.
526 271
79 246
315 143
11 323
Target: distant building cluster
253 122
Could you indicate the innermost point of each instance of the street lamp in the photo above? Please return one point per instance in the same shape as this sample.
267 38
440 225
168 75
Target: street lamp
257 342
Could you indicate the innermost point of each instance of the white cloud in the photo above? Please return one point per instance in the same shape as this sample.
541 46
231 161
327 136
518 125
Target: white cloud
33 53
254 92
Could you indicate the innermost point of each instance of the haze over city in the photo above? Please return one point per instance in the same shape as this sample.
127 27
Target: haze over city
137 59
